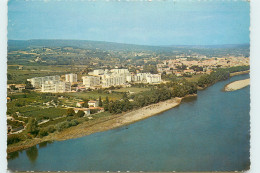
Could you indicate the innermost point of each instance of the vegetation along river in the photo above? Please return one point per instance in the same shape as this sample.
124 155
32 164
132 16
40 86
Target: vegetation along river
207 133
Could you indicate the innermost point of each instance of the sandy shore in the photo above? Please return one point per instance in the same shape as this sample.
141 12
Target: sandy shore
102 124
237 85
239 73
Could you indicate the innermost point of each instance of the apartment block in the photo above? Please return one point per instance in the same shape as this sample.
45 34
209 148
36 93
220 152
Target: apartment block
71 78
91 81
38 81
56 87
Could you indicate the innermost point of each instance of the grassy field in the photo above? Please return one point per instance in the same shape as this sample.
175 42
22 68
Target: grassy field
194 78
132 89
91 95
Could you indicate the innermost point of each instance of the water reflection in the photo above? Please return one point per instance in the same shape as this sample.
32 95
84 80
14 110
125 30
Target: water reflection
32 153
44 144
189 99
13 155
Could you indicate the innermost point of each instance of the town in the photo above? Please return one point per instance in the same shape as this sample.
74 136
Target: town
45 99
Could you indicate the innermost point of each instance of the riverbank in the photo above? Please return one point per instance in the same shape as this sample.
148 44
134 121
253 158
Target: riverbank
102 124
236 85
239 73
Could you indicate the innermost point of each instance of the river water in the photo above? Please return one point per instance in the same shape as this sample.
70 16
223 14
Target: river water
206 133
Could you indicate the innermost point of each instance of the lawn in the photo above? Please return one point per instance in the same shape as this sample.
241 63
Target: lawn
132 89
91 95
39 113
194 78
20 76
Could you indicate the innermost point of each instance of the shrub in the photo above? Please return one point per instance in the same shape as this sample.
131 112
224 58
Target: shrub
64 125
74 122
80 113
14 138
70 112
50 129
43 132
93 111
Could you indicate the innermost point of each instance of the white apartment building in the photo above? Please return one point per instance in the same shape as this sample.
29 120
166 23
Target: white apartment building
56 87
153 78
119 71
71 78
112 80
91 81
98 72
38 81
147 78
116 77
140 77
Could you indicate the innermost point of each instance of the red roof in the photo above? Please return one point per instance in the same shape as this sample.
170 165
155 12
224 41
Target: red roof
100 108
82 109
92 101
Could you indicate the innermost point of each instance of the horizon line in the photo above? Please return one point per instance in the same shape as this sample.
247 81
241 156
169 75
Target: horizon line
169 45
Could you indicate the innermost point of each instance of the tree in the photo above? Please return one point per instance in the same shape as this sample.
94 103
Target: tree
80 113
32 126
28 85
70 112
106 104
100 101
9 76
150 69
125 96
13 87
85 104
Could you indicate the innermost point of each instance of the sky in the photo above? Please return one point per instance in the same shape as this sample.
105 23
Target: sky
180 22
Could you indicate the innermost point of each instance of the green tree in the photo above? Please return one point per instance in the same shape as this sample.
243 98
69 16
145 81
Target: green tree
150 69
70 112
106 104
125 96
32 126
28 85
9 76
80 113
13 87
43 132
85 104
100 101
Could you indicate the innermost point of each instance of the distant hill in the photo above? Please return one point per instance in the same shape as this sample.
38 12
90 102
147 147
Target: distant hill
86 44
231 49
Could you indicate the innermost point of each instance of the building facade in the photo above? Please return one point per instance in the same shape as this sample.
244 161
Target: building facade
38 81
56 87
91 81
71 78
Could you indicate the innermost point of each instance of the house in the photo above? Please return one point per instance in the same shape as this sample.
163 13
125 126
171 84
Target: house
17 129
79 104
96 109
85 110
20 87
93 103
10 118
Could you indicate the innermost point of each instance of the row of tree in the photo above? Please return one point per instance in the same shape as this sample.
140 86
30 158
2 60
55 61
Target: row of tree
218 75
161 92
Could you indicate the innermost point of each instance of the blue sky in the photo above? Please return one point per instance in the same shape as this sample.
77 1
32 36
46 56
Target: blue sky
146 23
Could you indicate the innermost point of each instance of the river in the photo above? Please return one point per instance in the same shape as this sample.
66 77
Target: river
208 133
